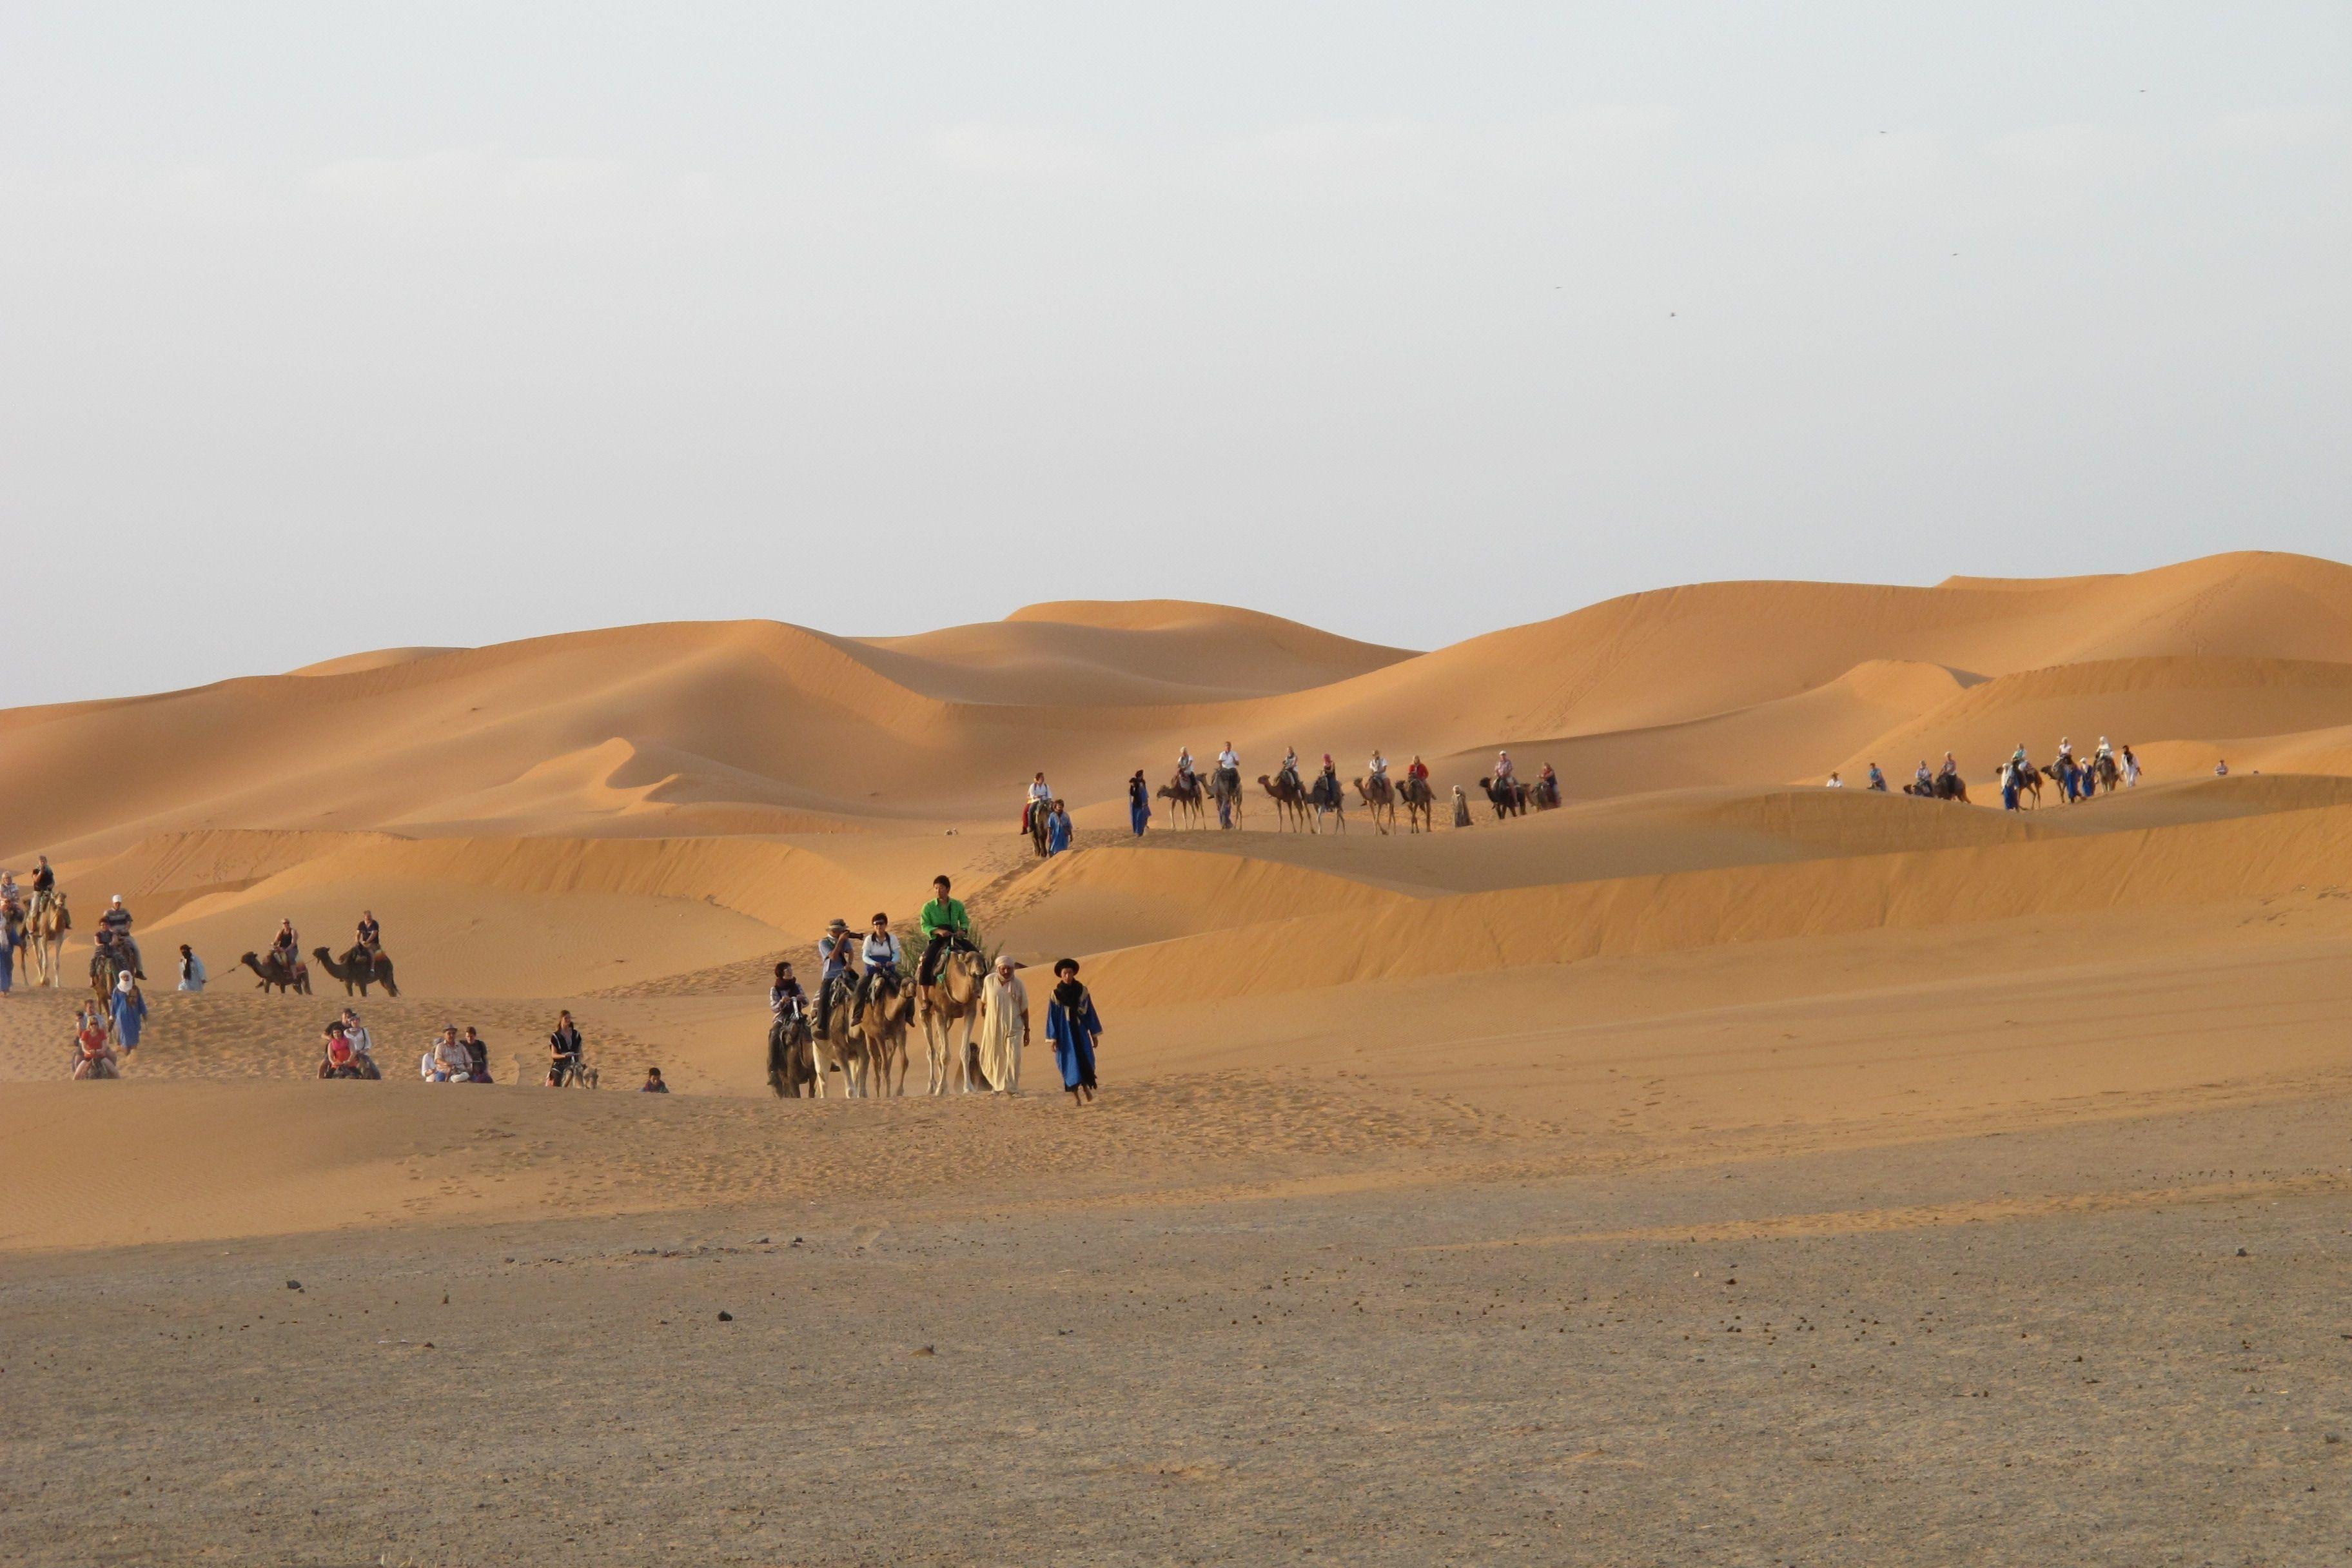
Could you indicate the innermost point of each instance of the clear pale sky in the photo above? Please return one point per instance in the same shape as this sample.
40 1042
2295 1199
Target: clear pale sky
334 327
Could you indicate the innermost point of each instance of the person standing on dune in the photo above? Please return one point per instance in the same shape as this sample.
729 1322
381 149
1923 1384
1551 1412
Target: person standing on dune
1073 1029
1138 802
1461 808
1003 1025
1057 829
130 1010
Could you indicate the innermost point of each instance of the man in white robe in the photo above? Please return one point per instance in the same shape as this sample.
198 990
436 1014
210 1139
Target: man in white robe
1003 1025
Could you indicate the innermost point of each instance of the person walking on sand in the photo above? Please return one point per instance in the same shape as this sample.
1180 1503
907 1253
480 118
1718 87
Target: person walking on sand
2131 770
1138 803
1003 1025
1057 830
1461 808
1073 1029
130 1010
191 971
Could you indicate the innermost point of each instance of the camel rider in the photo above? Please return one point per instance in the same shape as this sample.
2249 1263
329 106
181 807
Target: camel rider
285 946
44 877
2065 750
1416 771
1950 770
1290 766
833 952
1229 762
370 932
116 923
787 1003
1184 767
1926 778
1503 768
1040 791
2105 753
1547 785
882 956
1330 774
946 926
2017 758
1379 767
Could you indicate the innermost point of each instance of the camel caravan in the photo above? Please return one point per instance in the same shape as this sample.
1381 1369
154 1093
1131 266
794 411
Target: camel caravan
974 1011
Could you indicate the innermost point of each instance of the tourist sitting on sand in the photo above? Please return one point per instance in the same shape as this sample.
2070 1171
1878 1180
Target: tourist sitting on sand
191 971
1877 779
363 1043
448 1061
653 1084
1835 783
1073 1029
477 1056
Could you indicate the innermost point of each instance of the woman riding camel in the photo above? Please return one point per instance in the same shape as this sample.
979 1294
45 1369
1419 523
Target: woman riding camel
1184 767
882 956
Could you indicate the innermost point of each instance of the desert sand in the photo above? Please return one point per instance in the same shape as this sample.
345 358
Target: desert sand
1721 1168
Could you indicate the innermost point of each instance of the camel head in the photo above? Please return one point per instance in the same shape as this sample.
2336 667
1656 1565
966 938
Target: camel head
251 960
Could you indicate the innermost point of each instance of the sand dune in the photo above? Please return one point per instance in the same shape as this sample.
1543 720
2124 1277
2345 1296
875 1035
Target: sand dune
745 726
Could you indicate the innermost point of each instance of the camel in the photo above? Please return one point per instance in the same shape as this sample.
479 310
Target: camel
1420 805
106 966
1379 802
952 999
1033 823
883 1031
838 1050
45 937
1543 795
1226 789
2028 779
1329 799
1948 786
273 974
1185 803
358 970
1290 799
792 1070
1507 797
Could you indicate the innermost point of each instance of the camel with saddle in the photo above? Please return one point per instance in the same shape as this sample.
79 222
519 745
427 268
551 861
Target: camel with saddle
45 924
882 1030
1290 798
1186 800
1507 797
277 974
1378 796
1225 792
953 999
358 968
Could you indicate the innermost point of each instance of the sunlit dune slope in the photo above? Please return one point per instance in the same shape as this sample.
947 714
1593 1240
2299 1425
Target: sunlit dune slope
731 728
2195 862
